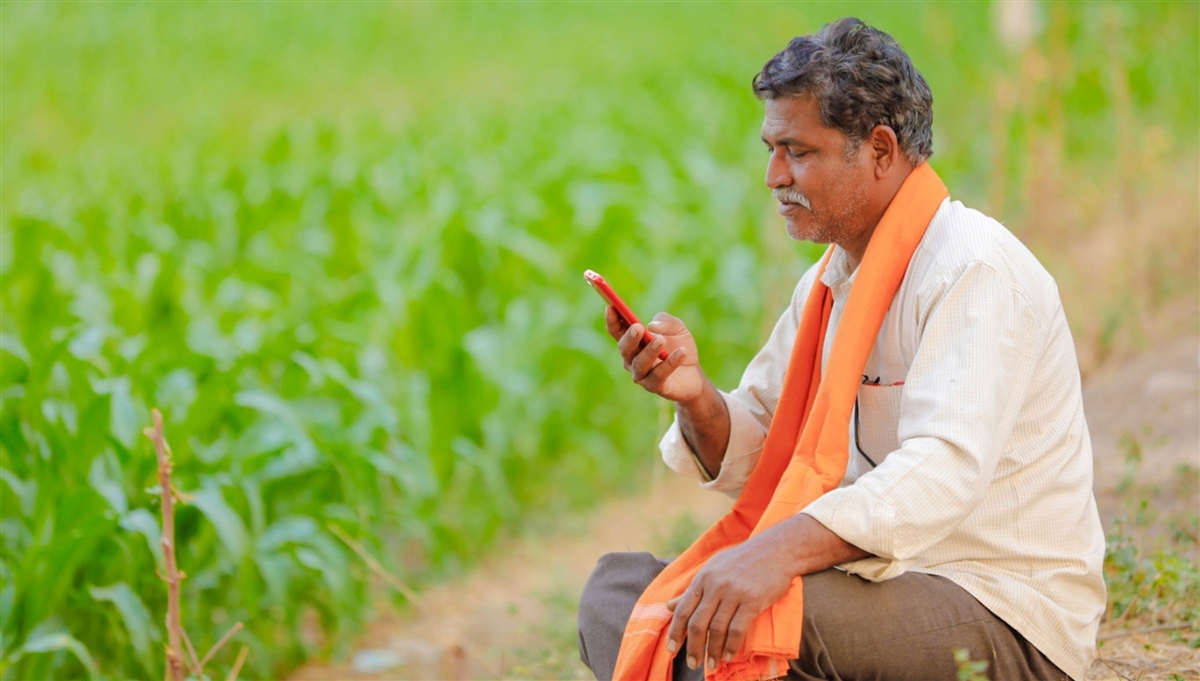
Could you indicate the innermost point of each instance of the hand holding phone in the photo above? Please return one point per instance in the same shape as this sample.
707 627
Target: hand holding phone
623 312
664 363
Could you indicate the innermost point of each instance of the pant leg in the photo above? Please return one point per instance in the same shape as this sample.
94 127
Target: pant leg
608 598
905 629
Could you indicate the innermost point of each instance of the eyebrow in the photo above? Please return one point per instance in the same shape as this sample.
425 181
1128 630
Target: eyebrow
787 142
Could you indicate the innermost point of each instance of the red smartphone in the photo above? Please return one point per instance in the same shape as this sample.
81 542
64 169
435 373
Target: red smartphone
610 296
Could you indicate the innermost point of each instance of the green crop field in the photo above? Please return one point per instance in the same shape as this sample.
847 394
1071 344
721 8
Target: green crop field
341 247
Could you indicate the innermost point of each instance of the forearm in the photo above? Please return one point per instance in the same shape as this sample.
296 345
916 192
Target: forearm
808 546
705 425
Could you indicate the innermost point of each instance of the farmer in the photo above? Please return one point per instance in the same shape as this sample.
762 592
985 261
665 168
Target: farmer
908 452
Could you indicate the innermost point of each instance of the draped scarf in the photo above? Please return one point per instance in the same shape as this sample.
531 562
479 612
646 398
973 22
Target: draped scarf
805 453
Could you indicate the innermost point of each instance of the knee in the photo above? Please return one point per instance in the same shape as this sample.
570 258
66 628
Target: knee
609 595
599 586
595 581
591 600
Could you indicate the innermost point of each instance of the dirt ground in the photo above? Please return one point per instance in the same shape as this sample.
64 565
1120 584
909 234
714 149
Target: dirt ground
514 616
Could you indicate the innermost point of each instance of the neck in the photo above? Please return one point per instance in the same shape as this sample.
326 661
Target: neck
856 247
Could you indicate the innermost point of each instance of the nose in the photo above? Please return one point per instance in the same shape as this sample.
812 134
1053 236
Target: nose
778 174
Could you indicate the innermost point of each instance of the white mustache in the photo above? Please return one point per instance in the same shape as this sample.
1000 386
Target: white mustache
792 196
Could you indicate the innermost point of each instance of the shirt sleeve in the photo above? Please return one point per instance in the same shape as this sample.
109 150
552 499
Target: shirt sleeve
751 406
961 399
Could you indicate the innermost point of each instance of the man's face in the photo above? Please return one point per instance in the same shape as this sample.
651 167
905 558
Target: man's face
822 194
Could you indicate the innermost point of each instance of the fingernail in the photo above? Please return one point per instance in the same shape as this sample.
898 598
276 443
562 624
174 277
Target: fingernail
672 646
658 341
712 663
728 656
691 662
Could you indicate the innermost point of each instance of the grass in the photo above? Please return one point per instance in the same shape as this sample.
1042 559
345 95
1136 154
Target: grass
1151 563
340 247
555 655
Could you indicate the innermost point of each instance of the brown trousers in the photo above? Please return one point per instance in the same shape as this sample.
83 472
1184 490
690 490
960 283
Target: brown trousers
854 630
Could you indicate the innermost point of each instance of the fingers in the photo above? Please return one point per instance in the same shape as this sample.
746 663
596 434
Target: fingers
698 627
718 631
683 608
649 364
738 626
654 379
665 323
613 324
645 359
629 343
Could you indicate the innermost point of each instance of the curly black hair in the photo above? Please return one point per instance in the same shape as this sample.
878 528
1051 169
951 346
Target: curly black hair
860 78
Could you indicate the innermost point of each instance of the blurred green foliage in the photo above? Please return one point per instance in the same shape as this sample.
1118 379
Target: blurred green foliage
341 245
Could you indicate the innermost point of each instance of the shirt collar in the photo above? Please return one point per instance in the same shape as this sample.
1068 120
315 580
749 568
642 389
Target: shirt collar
837 270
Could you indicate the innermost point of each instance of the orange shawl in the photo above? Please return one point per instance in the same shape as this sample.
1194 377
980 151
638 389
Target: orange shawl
805 451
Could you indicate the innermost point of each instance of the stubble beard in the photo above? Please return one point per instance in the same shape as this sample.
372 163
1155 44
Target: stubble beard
836 226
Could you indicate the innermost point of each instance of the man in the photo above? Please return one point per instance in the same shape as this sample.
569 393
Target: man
956 509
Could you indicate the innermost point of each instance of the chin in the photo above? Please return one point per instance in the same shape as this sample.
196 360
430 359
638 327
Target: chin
804 232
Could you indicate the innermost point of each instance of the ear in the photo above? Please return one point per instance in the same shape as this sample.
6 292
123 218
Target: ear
885 154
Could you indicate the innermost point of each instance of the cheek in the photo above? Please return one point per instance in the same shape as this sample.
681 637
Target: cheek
817 184
840 188
806 179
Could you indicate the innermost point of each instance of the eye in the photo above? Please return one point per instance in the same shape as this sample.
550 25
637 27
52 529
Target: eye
798 155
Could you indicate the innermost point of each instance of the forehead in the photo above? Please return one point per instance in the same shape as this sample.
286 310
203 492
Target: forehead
795 118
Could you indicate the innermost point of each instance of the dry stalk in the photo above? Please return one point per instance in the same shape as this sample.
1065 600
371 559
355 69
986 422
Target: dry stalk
177 638
1148 630
193 659
1120 676
381 571
454 663
237 666
454 656
175 670
223 640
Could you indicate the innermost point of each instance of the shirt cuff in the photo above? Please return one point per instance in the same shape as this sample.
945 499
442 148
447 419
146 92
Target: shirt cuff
746 439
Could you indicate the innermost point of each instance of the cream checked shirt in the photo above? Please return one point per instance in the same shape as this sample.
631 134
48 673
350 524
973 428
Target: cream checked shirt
983 464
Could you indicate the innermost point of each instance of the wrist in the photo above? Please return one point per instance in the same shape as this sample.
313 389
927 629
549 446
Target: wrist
796 543
808 546
702 403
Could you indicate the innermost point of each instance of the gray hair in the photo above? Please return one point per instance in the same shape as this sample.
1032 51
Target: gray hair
860 78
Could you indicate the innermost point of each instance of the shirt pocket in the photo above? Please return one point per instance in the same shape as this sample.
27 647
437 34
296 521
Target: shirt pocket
879 420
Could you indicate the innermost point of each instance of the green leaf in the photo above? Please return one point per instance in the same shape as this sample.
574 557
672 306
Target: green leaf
143 522
26 491
176 393
104 476
283 413
8 597
295 529
125 419
11 343
225 520
135 616
50 637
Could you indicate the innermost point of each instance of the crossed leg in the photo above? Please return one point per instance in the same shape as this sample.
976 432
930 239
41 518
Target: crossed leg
854 630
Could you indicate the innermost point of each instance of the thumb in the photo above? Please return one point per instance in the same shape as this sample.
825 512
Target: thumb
665 323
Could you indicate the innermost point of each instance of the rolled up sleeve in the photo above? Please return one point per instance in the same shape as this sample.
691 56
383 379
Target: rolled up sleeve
960 402
751 406
746 438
